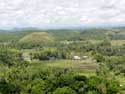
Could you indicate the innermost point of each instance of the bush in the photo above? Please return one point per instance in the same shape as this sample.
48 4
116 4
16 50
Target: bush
99 58
64 90
10 56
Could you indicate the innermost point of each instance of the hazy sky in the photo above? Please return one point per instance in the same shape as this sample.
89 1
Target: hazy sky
51 13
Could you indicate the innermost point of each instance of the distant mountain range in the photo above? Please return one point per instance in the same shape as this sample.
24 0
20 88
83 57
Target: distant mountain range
66 28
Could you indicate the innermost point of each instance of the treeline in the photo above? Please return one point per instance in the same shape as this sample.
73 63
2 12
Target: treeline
27 80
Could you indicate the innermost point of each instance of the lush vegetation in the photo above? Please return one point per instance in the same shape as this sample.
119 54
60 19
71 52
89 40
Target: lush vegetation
42 62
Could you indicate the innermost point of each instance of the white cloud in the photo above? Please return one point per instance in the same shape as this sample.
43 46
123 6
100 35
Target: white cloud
40 13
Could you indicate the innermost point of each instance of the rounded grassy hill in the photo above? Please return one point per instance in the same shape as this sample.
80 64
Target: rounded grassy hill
37 38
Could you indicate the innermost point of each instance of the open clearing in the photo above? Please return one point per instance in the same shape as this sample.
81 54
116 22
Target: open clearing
81 67
118 42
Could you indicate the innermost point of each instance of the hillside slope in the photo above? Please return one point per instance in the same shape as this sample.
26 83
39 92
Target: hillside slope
37 37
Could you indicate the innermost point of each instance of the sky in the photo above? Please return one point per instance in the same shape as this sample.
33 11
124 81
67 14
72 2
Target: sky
60 13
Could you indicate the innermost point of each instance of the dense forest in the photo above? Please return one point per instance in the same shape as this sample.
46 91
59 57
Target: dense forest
89 61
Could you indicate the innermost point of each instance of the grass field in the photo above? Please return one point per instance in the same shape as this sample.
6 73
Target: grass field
80 67
118 42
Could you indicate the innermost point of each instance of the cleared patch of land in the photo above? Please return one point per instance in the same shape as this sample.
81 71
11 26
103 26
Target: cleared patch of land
81 67
118 42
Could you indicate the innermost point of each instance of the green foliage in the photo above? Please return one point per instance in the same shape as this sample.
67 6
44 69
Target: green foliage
116 64
8 88
50 54
11 36
112 87
29 80
99 58
103 86
64 90
9 56
22 77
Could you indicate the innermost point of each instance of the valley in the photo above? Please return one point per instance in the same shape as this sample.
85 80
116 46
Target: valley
42 61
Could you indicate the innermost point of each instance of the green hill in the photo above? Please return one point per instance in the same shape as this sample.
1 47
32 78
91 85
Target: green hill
11 36
37 37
